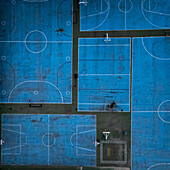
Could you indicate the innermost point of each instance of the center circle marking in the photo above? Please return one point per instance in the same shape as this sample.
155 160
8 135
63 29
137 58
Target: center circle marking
29 34
48 140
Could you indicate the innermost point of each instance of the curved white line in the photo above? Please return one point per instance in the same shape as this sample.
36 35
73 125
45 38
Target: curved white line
36 52
152 54
158 165
125 11
35 81
48 146
26 139
142 9
159 114
108 9
95 14
79 146
153 11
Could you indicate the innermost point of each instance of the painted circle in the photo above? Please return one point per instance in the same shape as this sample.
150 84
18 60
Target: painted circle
48 140
3 23
3 92
68 23
67 92
3 58
68 58
39 34
13 2
159 111
35 92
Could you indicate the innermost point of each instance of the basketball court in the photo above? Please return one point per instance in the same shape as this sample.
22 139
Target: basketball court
150 103
37 60
101 15
49 140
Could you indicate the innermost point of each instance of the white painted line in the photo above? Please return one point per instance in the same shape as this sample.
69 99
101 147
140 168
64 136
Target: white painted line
100 13
152 54
20 143
78 147
112 45
157 165
163 111
48 140
125 14
104 74
34 81
143 9
36 41
150 111
101 104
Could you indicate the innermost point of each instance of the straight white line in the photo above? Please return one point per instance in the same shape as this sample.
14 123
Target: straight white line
95 45
152 111
101 104
10 154
35 41
48 139
10 124
20 140
86 125
76 140
101 5
92 15
125 14
104 74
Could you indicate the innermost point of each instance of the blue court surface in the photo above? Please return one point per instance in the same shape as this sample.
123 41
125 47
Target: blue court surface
151 103
124 15
61 140
35 51
104 74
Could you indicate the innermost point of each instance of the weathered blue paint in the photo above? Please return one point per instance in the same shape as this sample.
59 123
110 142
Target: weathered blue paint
151 103
62 140
36 51
104 74
124 15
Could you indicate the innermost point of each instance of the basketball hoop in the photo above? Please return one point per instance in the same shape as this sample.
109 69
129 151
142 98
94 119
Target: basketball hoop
83 2
96 143
106 134
1 142
107 39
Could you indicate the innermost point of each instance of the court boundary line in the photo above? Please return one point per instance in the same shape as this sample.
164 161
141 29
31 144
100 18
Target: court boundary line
104 74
